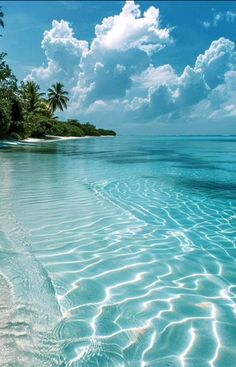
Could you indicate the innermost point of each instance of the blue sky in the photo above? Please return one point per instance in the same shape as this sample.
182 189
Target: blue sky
148 67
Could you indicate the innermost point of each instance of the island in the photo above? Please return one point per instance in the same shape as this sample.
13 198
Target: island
26 112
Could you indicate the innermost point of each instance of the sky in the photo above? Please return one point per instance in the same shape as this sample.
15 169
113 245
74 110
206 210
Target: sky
138 67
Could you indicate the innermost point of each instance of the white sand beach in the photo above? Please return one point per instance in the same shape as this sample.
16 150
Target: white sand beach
53 138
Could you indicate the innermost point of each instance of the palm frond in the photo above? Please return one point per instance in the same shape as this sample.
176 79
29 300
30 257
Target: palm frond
57 97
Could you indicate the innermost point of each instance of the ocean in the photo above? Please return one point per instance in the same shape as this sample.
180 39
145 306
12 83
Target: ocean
118 252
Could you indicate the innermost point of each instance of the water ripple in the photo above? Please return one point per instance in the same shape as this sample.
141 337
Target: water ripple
123 269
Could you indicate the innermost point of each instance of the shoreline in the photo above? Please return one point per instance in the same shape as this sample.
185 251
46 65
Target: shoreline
52 138
47 139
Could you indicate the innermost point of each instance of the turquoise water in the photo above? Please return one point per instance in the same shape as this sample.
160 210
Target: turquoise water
118 252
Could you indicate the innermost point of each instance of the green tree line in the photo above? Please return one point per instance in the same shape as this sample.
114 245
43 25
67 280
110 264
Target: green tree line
27 112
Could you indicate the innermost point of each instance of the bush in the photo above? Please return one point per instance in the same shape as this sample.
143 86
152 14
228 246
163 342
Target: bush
16 110
90 129
5 117
106 132
74 129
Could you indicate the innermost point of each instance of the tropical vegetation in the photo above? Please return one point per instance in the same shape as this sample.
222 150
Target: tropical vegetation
25 111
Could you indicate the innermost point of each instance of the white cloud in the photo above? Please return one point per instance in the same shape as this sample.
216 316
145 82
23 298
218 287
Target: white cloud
131 30
176 94
123 44
62 50
206 24
44 72
216 61
152 77
217 18
115 79
228 16
121 47
220 103
191 87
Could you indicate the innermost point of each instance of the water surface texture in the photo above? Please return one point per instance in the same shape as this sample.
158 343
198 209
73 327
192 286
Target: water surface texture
118 252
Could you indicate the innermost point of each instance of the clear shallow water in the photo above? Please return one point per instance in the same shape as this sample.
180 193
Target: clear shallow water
118 252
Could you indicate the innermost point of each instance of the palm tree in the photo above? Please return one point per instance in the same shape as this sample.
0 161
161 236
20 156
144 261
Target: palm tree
1 16
32 97
46 110
57 97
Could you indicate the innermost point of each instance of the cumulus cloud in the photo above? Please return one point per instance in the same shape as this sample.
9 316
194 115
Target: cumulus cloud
109 82
152 77
122 46
216 61
131 30
62 50
114 76
192 86
219 106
